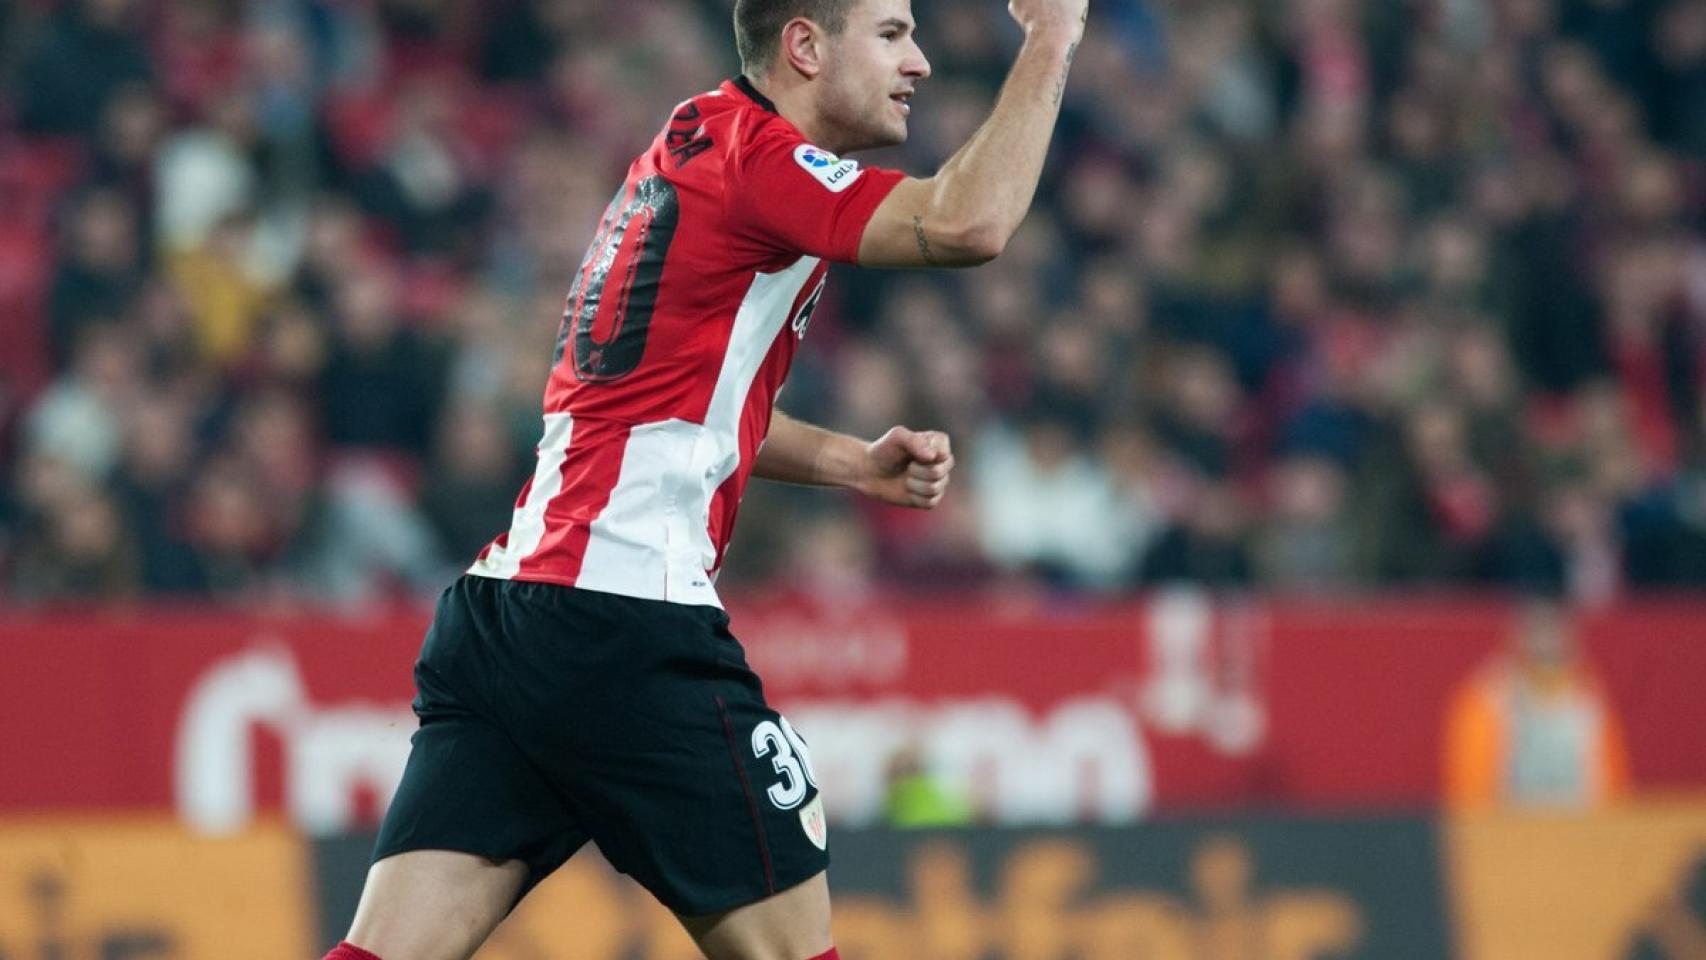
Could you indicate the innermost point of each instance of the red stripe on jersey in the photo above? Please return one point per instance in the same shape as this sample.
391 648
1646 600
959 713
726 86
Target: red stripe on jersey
590 472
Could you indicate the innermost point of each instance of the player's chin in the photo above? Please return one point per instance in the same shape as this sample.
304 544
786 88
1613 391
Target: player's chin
875 136
893 133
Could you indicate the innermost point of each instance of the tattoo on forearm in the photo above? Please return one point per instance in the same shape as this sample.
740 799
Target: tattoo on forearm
923 241
1065 68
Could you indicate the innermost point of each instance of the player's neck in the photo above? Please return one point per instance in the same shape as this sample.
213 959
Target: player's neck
795 103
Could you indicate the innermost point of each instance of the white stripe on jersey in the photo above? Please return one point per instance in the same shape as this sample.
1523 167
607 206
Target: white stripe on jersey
653 539
633 537
527 526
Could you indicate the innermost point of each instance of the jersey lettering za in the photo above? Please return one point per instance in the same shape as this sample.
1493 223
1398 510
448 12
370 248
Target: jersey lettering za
676 336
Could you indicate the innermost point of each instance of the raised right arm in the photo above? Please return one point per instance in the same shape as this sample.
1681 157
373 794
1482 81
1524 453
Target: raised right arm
966 213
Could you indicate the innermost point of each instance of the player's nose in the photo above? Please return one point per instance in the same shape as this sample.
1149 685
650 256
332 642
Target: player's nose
916 65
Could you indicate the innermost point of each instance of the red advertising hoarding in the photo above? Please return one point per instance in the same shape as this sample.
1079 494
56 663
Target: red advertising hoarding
1039 715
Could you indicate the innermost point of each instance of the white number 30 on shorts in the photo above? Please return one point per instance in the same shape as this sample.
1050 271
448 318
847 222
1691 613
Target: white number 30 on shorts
792 760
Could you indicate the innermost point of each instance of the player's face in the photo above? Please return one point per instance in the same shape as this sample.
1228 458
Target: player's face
875 65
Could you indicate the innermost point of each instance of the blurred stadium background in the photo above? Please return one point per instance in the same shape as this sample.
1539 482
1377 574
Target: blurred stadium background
1324 577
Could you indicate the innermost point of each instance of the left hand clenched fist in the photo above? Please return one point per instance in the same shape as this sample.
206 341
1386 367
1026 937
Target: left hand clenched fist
908 468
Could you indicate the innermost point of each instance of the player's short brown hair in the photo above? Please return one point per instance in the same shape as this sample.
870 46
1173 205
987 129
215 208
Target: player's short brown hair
759 23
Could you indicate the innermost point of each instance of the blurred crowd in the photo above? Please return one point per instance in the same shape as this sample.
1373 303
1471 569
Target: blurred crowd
1318 295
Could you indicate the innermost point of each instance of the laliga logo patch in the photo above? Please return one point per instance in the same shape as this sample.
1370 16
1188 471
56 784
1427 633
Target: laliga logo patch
816 827
833 172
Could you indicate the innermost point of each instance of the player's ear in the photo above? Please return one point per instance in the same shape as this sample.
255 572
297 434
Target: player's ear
803 46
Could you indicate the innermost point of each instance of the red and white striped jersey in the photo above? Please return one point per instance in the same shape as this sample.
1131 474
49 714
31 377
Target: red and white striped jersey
677 334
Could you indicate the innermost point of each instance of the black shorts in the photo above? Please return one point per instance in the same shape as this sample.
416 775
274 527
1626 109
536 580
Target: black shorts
551 716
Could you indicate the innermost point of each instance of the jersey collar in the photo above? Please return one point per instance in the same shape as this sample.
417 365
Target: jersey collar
745 86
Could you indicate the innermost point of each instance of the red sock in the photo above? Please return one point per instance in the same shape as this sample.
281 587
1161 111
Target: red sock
349 951
831 955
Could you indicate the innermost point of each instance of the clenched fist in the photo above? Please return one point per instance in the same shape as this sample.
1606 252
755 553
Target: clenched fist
1034 15
908 468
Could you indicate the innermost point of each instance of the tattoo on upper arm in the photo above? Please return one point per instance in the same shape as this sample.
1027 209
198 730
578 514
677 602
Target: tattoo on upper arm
923 241
1065 68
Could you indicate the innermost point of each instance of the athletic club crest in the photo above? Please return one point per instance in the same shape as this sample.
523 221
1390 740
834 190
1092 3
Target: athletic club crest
811 818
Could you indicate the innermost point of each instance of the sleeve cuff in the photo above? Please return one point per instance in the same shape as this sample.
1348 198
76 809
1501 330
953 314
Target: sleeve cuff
861 205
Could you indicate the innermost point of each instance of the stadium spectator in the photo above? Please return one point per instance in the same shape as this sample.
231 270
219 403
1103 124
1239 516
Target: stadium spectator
150 484
122 155
1209 543
1679 78
87 51
1044 504
236 540
422 185
1306 541
79 551
1434 509
471 489
832 560
381 381
100 270
917 800
77 418
1533 727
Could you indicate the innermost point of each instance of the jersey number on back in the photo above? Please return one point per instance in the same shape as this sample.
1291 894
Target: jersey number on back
609 310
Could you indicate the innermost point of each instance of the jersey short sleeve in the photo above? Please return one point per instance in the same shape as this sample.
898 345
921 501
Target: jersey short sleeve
791 195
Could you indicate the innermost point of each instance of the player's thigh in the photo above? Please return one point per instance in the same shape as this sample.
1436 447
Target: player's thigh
472 827
434 904
791 925
468 785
